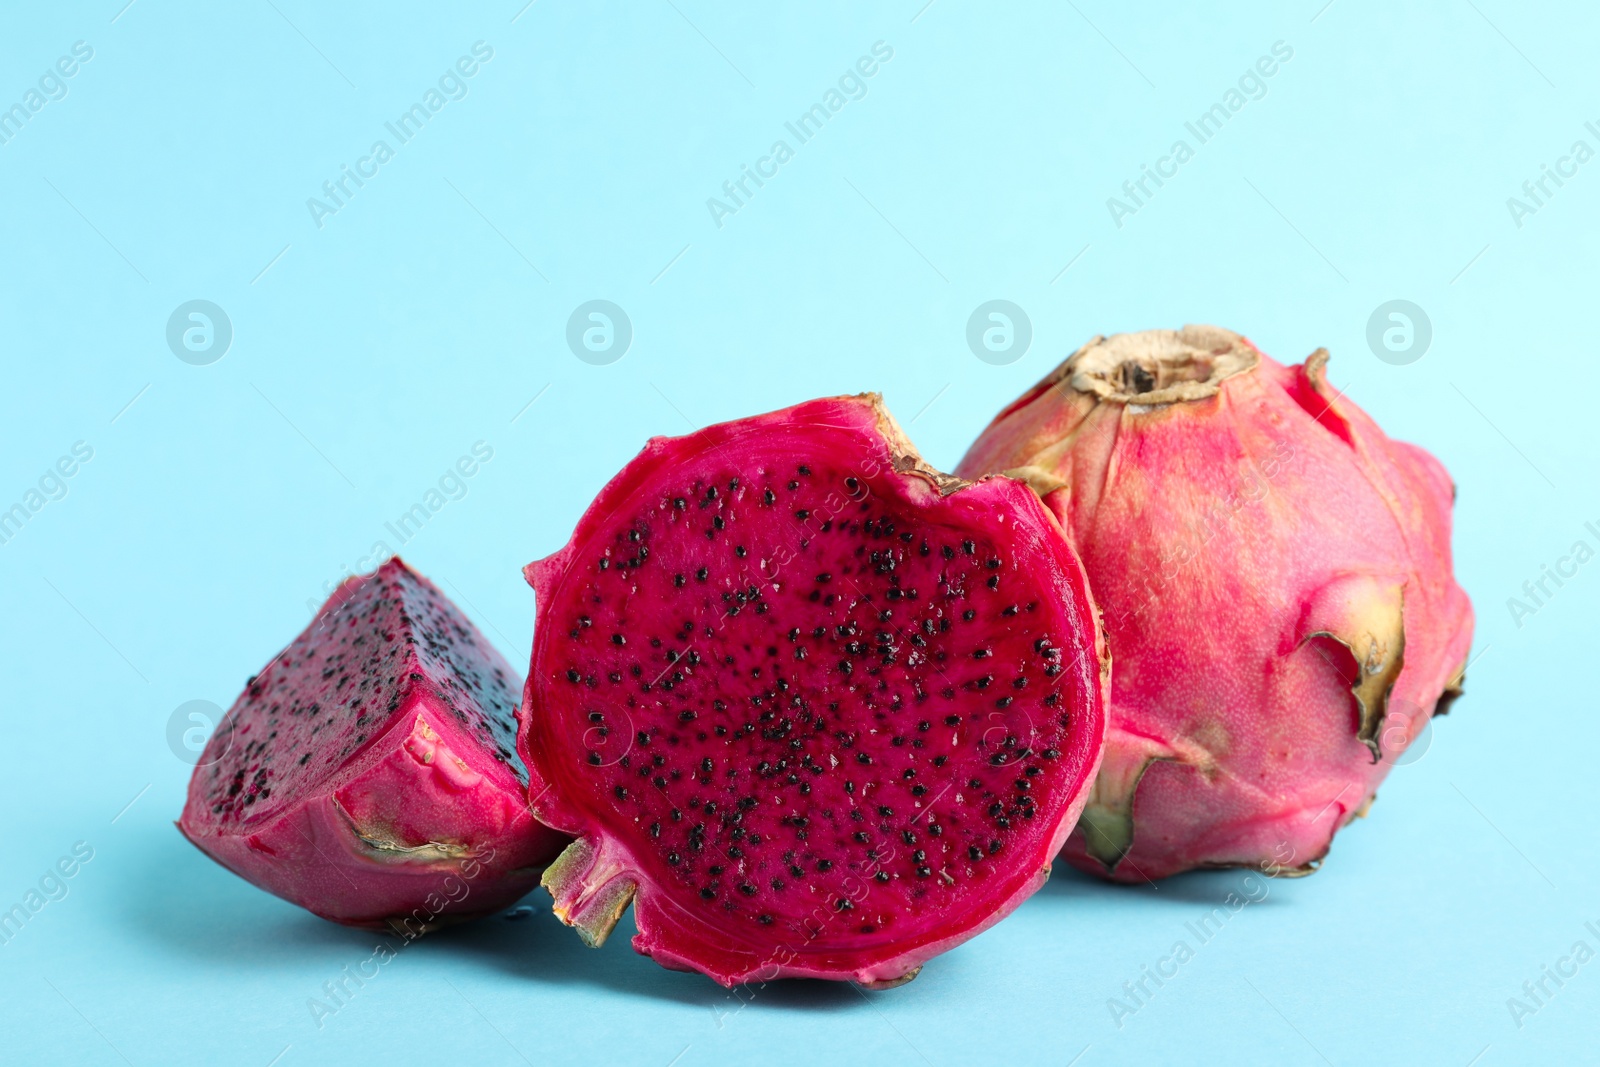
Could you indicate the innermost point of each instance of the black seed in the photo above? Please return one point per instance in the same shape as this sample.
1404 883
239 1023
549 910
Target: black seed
882 876
708 893
974 853
824 866
674 859
618 639
969 615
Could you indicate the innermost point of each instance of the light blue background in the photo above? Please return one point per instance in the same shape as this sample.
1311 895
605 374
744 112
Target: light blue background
427 313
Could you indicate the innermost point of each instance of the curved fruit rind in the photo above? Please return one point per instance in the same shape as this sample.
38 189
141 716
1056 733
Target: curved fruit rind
646 572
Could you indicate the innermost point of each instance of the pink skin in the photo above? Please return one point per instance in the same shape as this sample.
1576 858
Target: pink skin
1247 548
871 842
406 819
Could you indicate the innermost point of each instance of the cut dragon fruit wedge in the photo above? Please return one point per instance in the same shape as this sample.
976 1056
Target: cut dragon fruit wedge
368 773
815 708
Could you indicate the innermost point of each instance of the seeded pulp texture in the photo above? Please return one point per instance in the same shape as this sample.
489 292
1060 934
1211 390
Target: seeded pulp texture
825 710
1276 582
368 773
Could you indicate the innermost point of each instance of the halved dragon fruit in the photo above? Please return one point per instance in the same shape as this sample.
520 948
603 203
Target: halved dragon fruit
368 773
817 709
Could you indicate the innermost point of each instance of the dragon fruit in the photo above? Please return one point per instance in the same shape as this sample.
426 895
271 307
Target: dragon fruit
369 773
815 708
1276 584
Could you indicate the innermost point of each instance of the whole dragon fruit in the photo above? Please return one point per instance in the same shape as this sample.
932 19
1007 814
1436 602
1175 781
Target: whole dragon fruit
368 772
1275 578
817 709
